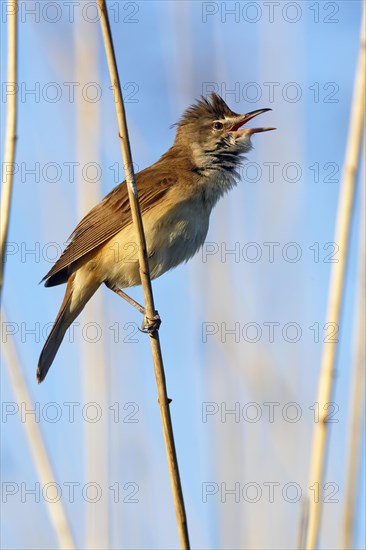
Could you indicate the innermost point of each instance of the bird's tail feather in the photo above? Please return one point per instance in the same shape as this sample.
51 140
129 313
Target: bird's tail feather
68 312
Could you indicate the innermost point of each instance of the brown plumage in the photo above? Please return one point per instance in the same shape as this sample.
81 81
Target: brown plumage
176 196
106 219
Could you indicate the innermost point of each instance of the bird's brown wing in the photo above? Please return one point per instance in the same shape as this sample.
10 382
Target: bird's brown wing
106 219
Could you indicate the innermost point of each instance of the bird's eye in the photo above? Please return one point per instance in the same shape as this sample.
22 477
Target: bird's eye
217 125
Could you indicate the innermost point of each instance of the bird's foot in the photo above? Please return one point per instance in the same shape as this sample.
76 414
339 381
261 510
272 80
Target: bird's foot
149 326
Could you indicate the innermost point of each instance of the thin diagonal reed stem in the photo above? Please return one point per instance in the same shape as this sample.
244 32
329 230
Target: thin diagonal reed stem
145 281
42 463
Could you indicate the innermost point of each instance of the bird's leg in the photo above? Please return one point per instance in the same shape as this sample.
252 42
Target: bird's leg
148 325
125 297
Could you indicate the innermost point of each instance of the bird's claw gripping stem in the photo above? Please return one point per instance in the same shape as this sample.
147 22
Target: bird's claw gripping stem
149 326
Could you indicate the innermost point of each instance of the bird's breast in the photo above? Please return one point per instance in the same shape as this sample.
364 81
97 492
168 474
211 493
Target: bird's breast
214 183
177 235
174 232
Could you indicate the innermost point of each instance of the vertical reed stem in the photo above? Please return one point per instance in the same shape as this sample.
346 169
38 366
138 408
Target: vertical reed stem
10 133
336 291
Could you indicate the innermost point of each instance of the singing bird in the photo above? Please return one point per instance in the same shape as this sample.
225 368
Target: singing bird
176 194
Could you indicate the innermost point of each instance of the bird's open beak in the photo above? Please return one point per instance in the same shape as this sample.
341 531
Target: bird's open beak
243 119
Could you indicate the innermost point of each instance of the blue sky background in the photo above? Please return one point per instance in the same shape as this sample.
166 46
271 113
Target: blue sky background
169 53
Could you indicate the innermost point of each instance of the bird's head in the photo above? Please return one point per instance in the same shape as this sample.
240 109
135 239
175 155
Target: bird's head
211 129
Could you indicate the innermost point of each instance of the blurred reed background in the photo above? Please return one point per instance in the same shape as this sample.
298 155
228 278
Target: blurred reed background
243 396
